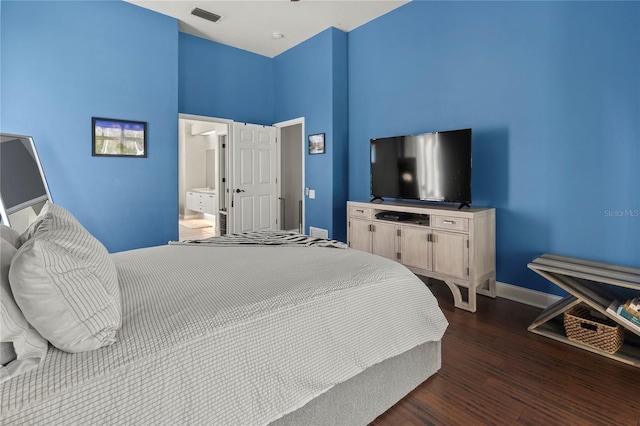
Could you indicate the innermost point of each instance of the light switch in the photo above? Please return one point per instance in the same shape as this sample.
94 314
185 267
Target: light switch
312 193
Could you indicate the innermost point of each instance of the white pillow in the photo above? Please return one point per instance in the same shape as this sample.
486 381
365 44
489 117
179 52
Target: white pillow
10 235
62 217
66 283
21 346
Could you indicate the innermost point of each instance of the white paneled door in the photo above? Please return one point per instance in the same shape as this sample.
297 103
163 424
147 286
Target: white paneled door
254 187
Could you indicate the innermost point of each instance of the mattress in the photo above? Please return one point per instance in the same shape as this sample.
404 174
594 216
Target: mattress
230 335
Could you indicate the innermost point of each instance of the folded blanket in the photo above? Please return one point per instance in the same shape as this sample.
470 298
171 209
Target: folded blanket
264 238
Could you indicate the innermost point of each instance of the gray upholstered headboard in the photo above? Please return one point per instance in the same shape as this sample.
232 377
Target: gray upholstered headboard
22 181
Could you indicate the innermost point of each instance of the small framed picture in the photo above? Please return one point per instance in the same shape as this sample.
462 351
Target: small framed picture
316 144
118 138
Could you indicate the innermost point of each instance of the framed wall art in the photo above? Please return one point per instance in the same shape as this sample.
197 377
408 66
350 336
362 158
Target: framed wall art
316 143
118 138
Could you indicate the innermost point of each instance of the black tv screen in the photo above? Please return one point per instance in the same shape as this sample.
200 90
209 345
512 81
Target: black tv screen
430 166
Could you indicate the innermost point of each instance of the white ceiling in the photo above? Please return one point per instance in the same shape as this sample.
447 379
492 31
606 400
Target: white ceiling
250 24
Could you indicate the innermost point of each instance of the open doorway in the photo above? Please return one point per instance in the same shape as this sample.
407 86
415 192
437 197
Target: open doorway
206 175
200 182
291 174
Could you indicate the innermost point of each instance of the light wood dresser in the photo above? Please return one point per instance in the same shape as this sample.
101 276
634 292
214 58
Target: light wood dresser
454 245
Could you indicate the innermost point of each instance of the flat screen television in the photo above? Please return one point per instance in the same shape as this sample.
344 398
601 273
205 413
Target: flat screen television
429 167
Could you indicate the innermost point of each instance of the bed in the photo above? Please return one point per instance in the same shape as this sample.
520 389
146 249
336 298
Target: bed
227 334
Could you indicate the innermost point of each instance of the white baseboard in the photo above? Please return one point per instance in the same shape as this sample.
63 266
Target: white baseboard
525 295
211 217
190 216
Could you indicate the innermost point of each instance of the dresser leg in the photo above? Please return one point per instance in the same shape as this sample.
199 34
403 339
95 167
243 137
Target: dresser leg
490 290
458 301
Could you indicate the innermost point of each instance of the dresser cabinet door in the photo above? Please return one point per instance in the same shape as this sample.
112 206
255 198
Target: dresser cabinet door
384 236
191 201
451 254
359 234
415 247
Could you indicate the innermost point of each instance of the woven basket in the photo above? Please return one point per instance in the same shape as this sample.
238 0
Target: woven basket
600 333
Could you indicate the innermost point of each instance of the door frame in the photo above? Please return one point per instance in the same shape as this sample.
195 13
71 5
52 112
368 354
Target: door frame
279 126
228 159
229 123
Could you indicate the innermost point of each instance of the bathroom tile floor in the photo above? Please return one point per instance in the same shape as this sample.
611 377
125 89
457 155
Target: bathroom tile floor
186 233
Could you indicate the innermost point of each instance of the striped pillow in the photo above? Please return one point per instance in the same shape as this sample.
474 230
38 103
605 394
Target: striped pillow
21 347
66 283
10 235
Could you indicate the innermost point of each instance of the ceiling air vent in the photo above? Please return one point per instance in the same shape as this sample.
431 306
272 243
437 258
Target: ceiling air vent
205 15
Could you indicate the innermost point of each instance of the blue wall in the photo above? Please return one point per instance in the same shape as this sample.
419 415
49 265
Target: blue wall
224 82
340 149
310 81
64 62
552 92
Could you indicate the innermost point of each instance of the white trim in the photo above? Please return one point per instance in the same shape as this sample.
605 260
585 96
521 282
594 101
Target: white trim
292 122
525 295
189 216
229 134
204 118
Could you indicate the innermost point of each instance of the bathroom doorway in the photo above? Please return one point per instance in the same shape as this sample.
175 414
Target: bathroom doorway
200 177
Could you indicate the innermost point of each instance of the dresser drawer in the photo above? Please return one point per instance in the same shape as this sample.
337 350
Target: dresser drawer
451 223
360 212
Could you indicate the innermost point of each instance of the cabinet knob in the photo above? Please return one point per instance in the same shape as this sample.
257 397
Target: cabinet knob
448 222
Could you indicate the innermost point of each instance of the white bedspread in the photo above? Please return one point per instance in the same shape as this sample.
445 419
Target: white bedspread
230 336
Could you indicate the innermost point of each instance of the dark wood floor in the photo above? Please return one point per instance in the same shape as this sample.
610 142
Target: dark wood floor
496 372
